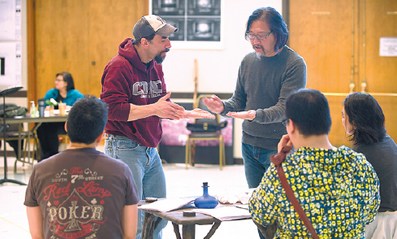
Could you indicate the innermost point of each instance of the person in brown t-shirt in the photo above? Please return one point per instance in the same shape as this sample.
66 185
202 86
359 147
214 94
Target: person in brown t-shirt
81 192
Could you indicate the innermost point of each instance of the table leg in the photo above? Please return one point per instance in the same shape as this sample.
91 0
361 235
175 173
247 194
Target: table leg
148 225
213 229
37 148
176 230
23 135
189 231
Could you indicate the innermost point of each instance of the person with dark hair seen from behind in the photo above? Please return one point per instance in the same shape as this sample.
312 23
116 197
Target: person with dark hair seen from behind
134 88
364 122
265 78
337 188
47 133
81 192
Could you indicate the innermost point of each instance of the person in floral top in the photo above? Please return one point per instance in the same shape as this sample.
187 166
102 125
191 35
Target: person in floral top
337 188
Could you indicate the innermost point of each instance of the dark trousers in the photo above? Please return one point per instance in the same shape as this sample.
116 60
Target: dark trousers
48 137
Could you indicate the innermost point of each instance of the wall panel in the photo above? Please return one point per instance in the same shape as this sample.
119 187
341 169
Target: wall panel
339 40
80 36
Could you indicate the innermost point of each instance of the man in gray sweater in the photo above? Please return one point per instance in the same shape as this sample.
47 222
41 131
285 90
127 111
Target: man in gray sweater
265 78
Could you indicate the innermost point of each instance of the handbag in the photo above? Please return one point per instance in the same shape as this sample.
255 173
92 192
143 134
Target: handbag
12 110
277 160
206 126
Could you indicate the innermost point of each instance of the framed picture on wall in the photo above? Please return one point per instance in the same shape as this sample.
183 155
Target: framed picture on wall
199 22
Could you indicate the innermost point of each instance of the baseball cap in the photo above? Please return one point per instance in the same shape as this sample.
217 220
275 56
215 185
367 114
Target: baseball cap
152 24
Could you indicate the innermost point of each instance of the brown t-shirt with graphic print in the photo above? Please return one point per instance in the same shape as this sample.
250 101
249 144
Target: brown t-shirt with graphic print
81 194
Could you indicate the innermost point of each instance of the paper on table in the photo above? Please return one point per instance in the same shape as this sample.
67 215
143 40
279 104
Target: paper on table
166 205
235 197
226 213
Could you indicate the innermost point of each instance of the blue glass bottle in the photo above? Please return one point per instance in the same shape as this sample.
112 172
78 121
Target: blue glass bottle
205 201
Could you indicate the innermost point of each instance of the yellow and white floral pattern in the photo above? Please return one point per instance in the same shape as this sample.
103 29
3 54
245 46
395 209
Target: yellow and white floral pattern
337 188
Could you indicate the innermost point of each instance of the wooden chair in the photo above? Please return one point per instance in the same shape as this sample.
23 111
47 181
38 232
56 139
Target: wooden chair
201 136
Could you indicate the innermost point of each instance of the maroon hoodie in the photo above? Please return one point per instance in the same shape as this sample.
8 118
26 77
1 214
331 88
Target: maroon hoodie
126 80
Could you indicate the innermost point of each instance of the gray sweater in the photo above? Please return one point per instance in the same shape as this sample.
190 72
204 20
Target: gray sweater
263 84
383 157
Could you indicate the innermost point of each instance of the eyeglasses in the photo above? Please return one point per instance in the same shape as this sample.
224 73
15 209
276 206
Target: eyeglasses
260 36
285 122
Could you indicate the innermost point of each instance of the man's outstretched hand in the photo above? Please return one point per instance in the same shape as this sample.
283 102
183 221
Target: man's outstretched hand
246 115
198 114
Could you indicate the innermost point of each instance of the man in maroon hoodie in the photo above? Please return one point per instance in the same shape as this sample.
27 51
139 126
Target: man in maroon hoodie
133 87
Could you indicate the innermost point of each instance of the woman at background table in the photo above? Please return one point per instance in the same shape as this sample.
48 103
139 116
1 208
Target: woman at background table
47 133
364 123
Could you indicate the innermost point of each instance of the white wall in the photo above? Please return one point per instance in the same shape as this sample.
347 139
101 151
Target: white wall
217 68
24 46
22 101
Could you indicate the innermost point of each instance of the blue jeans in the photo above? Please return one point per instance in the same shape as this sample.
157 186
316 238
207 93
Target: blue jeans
256 162
146 168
